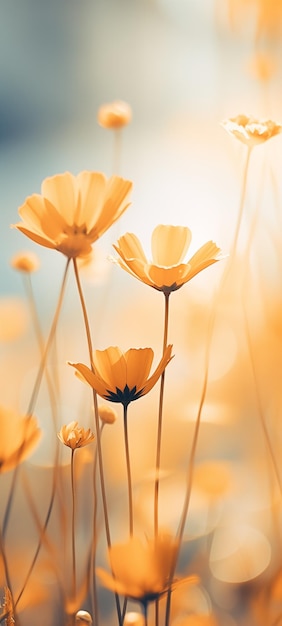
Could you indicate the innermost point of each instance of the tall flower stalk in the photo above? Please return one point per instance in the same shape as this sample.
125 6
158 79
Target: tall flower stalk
160 421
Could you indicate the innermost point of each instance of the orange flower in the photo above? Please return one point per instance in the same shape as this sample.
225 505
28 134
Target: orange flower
141 571
166 272
123 376
114 115
73 436
19 436
72 212
250 131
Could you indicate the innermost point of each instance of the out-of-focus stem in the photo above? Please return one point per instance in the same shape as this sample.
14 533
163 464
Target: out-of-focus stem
73 527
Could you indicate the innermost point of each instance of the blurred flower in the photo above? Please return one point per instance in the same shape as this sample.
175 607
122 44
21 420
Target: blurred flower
73 436
25 262
251 131
19 436
141 571
7 612
72 212
107 414
123 376
83 617
13 318
262 66
266 16
114 115
133 619
169 244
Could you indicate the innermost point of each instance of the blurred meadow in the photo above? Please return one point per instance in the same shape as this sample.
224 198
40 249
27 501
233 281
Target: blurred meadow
184 67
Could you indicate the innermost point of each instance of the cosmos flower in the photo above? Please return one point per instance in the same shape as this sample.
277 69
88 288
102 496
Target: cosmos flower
26 262
167 271
73 436
250 131
72 212
123 376
19 436
114 115
141 571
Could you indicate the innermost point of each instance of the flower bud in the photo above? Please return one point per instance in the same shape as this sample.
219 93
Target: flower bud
114 115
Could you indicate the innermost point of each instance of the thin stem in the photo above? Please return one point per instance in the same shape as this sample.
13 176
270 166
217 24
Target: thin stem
94 602
73 527
48 344
160 419
117 151
36 388
7 576
128 471
97 426
241 205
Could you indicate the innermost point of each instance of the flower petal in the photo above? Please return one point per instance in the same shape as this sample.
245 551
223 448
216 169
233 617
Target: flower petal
91 187
158 372
110 365
61 191
170 244
90 377
138 366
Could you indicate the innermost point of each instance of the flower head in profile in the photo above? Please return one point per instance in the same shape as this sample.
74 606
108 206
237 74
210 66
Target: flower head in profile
123 376
114 115
250 131
141 571
26 262
167 271
19 436
74 436
72 212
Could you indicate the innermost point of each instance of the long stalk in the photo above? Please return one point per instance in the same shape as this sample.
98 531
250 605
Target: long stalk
128 471
73 527
36 388
97 425
160 420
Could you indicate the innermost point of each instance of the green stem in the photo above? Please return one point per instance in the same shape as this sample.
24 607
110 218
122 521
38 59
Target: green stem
128 471
160 419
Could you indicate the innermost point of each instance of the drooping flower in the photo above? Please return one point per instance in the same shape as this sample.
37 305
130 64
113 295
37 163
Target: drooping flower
72 212
123 376
74 436
114 115
19 436
167 271
26 262
141 571
251 131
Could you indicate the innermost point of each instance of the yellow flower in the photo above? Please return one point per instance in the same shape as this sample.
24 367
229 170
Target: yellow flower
19 436
26 262
114 115
123 376
250 131
73 436
140 571
167 272
72 212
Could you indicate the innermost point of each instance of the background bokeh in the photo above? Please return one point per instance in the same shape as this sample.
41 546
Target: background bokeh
183 66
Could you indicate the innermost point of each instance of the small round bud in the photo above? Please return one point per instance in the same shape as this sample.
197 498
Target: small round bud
25 262
83 617
107 414
114 115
